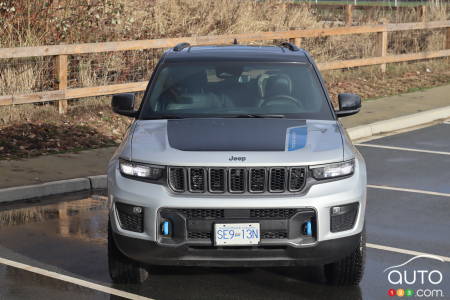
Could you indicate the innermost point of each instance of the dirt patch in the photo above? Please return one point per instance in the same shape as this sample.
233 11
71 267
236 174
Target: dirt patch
370 83
369 88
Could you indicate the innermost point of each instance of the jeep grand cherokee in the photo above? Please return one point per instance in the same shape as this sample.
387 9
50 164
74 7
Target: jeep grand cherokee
236 157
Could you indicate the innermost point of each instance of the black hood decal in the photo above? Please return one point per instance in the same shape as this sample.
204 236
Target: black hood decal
229 134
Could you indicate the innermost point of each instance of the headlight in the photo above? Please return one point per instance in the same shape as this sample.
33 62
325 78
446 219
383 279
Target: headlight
141 170
333 170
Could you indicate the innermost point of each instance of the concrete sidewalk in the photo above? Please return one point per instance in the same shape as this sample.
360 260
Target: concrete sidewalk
93 162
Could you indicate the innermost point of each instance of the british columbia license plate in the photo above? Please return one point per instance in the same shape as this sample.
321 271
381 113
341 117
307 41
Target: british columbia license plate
240 234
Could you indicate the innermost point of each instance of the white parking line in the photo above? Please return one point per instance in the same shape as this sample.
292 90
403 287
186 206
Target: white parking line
404 149
384 187
73 280
404 251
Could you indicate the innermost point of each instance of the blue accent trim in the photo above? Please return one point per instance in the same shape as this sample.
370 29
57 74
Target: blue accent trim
308 228
296 138
165 228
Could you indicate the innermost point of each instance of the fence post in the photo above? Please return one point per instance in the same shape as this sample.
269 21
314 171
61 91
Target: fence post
296 41
423 13
61 75
348 14
382 44
447 39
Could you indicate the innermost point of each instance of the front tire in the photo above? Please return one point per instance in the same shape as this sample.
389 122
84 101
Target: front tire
121 268
350 269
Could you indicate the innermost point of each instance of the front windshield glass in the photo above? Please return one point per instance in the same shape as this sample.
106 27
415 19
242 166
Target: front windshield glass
237 89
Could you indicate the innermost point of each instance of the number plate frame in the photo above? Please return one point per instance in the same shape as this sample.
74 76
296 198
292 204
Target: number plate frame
244 234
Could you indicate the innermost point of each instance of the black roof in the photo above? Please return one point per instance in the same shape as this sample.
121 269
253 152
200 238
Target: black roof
236 53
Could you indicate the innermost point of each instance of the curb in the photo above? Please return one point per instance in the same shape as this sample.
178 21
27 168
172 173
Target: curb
399 123
100 182
53 188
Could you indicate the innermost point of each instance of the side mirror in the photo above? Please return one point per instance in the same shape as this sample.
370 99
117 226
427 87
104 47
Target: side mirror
349 104
123 104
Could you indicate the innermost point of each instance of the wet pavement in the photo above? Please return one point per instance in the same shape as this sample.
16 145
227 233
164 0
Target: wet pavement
19 284
67 235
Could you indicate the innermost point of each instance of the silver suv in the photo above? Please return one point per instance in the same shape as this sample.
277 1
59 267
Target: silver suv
236 157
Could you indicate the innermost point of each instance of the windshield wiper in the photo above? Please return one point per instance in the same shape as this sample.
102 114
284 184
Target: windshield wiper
254 116
162 117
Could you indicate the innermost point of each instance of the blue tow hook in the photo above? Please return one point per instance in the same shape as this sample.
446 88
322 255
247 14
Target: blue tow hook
165 228
308 228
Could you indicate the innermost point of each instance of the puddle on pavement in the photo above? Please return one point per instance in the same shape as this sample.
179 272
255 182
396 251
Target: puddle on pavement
81 219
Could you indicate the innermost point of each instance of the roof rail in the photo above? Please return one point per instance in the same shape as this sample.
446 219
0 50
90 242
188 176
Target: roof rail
181 46
290 46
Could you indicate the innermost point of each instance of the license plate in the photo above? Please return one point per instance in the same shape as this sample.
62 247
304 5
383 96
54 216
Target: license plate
241 234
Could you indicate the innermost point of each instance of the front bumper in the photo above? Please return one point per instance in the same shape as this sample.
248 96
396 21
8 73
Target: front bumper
147 246
153 253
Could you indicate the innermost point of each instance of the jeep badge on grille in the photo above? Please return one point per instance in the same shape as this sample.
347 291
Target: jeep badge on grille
237 158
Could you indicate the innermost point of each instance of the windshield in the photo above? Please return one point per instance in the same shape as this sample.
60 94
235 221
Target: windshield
238 89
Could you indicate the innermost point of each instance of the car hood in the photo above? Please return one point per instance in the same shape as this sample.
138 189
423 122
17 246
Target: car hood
235 142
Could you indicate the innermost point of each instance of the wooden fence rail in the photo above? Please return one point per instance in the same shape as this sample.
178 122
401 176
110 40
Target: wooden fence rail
63 93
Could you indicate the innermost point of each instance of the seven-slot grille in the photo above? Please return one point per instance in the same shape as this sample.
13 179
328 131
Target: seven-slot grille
237 180
197 180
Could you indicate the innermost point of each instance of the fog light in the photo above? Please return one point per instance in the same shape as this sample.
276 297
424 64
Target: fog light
340 210
137 210
335 210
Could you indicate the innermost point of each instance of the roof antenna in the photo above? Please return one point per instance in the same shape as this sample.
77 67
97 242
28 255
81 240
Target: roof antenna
235 42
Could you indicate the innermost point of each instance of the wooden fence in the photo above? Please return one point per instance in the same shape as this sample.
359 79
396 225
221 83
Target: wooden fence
61 52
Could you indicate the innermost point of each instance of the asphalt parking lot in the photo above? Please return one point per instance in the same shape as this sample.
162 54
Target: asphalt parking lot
56 248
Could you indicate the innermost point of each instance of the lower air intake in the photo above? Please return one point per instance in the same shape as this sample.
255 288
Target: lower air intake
129 219
345 219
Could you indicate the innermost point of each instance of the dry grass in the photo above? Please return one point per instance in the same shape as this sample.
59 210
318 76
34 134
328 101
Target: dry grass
18 80
194 17
33 23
